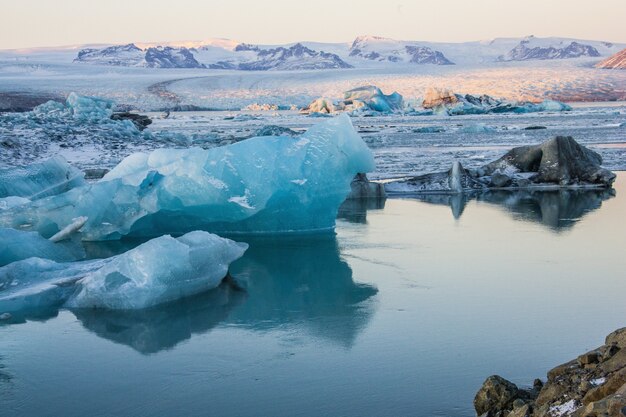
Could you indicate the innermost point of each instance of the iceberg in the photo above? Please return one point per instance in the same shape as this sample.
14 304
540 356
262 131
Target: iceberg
260 185
443 101
373 98
51 177
159 271
18 245
357 101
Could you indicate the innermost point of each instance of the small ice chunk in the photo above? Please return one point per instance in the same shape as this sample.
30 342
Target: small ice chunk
69 230
161 270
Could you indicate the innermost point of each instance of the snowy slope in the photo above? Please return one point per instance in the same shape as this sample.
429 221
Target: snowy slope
247 57
617 61
556 48
375 48
132 56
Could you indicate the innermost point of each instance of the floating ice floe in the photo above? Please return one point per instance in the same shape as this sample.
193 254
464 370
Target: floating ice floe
51 177
79 121
359 100
477 128
247 187
159 271
370 101
442 101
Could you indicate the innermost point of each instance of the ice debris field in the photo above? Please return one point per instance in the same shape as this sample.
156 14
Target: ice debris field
70 173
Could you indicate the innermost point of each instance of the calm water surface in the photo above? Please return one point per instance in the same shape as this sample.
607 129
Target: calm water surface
403 313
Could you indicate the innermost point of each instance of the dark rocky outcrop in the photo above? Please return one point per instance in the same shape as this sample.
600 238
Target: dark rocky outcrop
456 180
560 160
139 120
592 385
363 188
557 163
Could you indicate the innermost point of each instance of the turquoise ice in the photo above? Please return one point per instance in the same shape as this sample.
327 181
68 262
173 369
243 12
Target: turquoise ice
54 176
261 185
161 270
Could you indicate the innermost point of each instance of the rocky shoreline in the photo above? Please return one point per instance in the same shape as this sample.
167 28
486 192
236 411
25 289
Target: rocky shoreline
592 385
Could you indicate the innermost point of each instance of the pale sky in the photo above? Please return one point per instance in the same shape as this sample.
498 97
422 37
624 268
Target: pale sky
30 23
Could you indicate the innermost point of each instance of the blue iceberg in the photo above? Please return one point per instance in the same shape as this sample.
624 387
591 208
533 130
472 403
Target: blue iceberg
372 98
358 101
261 185
159 271
51 177
18 245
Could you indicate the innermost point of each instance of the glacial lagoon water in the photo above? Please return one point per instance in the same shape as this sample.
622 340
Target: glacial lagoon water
404 312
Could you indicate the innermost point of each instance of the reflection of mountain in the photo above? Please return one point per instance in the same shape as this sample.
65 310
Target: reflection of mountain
155 329
302 282
293 282
557 209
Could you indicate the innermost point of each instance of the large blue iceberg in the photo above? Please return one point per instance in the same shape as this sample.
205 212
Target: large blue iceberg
261 185
159 271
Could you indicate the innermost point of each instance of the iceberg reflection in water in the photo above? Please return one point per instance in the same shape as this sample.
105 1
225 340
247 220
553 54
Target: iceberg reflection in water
556 209
297 284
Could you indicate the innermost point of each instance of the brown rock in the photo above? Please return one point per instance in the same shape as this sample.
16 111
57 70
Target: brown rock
612 384
618 337
495 396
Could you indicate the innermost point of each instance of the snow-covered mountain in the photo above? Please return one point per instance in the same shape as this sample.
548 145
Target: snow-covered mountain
553 48
296 57
617 61
383 49
132 56
119 55
364 52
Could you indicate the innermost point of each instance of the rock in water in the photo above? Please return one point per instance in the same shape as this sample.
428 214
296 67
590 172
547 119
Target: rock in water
497 397
363 188
140 121
594 384
161 270
260 185
47 178
560 160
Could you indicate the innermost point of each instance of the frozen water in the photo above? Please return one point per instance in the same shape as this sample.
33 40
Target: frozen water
17 245
54 176
477 128
142 277
373 98
247 187
161 270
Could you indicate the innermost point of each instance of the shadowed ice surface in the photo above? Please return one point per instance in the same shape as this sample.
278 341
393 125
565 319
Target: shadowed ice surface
405 312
